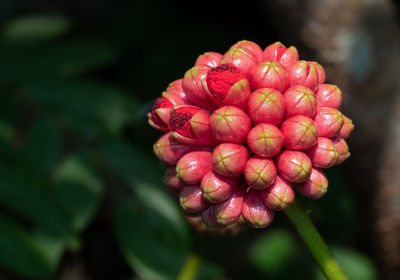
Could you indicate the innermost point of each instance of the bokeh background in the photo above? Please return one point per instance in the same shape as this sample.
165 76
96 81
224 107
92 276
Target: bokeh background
81 194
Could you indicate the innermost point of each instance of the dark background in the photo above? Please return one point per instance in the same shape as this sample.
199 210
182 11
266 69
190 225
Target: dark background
80 190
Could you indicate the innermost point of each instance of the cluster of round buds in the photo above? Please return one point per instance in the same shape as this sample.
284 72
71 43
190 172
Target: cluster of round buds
243 128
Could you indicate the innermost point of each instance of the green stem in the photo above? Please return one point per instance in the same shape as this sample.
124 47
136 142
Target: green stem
190 268
301 221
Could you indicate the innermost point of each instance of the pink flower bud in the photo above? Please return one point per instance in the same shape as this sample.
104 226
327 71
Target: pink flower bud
300 133
211 59
172 181
347 127
230 159
320 71
230 124
255 212
265 140
229 211
191 125
342 149
227 85
169 150
329 96
328 121
278 52
324 154
315 186
217 188
279 195
303 73
193 87
242 58
160 109
294 166
191 168
299 100
173 98
191 199
251 46
269 74
209 219
266 106
175 88
259 172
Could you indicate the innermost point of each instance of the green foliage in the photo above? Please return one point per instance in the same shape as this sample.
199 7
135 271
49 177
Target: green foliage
355 265
272 252
35 28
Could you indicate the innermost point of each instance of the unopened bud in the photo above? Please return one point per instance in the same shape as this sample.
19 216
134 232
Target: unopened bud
324 154
265 140
255 212
342 149
299 100
347 127
217 188
260 172
192 85
191 199
251 46
229 211
230 124
242 58
300 133
211 59
278 52
269 74
172 181
230 159
169 150
294 166
303 73
320 71
315 186
191 167
279 195
266 106
329 96
328 121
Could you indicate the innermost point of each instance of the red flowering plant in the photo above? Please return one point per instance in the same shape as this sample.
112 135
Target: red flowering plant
247 131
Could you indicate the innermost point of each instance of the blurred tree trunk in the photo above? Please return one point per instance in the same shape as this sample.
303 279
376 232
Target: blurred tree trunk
358 42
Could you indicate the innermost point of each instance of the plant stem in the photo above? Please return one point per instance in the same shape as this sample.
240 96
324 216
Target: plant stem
190 268
304 226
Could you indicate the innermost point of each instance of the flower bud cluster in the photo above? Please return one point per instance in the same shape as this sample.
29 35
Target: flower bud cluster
247 130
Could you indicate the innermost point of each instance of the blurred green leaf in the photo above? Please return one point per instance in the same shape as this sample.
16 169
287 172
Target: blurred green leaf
20 252
131 163
77 191
73 57
87 106
272 252
355 265
6 138
35 28
50 246
148 241
164 205
30 201
23 63
6 131
44 145
209 271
